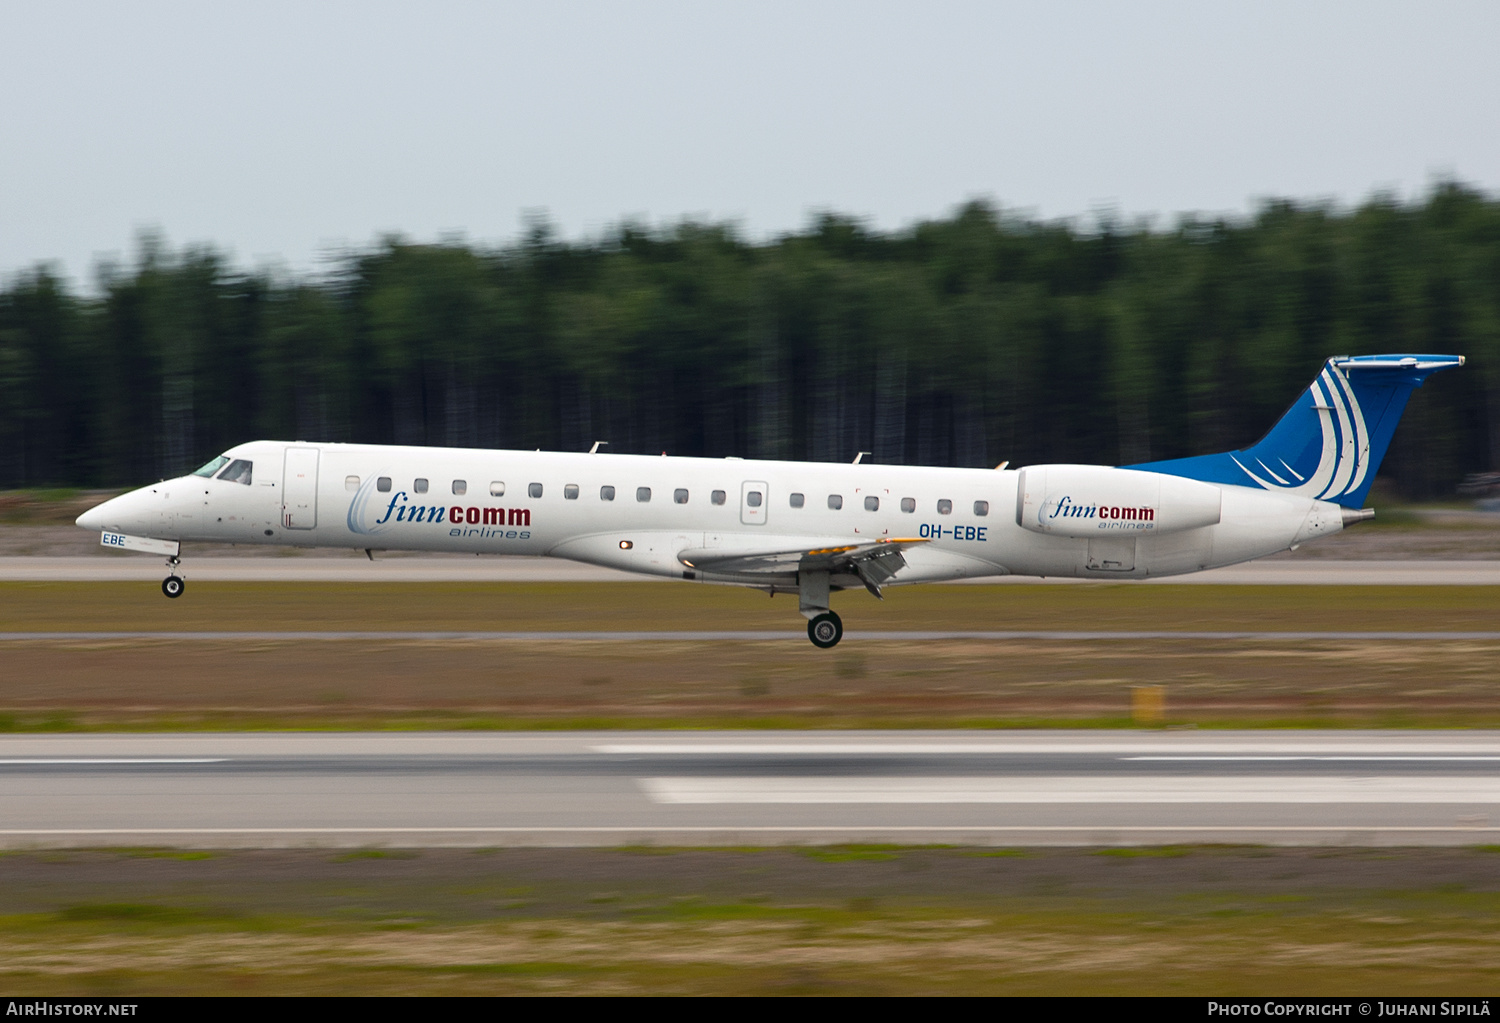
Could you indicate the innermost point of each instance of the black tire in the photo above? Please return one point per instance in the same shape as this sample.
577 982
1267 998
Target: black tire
173 586
825 630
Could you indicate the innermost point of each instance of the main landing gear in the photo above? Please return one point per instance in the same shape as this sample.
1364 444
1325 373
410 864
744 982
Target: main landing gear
173 584
825 630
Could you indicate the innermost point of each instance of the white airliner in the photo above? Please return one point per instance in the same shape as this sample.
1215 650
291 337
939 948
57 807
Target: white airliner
808 528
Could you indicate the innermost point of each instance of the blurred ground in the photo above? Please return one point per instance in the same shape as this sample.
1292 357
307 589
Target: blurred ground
647 605
497 683
871 920
826 920
468 684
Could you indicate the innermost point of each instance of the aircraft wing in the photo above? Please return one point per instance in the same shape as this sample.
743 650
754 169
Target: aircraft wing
873 561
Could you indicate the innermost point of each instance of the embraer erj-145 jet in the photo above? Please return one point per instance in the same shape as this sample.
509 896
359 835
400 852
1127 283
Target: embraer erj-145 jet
799 527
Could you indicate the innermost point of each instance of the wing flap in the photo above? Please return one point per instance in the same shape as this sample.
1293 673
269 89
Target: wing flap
874 561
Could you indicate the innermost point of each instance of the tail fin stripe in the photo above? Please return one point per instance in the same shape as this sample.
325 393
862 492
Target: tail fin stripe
1344 467
1318 481
1361 432
1272 474
1252 475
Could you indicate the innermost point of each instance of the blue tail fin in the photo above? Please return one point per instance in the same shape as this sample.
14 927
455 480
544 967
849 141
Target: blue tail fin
1330 442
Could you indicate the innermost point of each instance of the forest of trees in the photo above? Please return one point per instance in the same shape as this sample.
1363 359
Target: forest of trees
962 341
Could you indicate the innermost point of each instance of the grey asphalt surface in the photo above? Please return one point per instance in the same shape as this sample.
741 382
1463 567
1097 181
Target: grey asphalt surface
125 567
741 635
716 788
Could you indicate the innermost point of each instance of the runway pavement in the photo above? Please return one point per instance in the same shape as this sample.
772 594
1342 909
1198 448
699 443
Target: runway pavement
750 788
117 566
750 635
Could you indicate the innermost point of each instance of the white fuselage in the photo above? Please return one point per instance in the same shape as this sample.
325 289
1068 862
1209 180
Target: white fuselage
552 504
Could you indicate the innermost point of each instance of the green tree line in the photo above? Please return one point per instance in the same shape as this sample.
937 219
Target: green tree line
968 340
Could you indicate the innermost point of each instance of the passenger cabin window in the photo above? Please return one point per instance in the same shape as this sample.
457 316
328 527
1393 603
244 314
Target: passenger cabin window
872 503
679 496
908 504
606 493
945 507
835 501
383 484
419 485
798 500
212 467
237 472
570 492
534 489
497 489
460 487
351 482
981 507
718 497
643 494
754 498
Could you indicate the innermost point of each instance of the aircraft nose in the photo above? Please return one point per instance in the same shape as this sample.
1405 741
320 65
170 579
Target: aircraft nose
117 513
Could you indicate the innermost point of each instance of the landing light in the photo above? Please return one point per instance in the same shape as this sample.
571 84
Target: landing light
625 545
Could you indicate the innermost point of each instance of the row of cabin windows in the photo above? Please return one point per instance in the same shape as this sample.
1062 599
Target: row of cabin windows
908 504
460 487
497 489
679 496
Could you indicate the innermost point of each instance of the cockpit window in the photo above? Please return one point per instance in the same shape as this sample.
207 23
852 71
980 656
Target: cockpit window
212 467
238 472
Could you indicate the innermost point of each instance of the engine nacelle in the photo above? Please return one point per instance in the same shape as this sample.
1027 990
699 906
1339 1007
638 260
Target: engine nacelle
1097 500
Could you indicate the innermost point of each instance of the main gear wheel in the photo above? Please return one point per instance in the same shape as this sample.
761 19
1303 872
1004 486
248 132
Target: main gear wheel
825 630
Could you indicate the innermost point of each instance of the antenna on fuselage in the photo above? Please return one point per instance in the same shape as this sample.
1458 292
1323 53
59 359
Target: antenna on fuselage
597 445
859 456
1002 465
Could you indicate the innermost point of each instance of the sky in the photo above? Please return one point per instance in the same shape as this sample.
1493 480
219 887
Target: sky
287 133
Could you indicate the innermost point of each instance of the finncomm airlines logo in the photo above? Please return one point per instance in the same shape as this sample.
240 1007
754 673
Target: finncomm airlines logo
367 516
1107 516
456 514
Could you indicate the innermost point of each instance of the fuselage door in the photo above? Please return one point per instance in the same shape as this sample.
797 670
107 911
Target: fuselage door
299 489
754 496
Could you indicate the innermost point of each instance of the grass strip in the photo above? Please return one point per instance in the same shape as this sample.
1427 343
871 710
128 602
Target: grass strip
451 683
851 919
648 606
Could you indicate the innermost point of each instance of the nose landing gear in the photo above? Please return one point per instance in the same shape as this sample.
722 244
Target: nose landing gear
173 585
825 630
